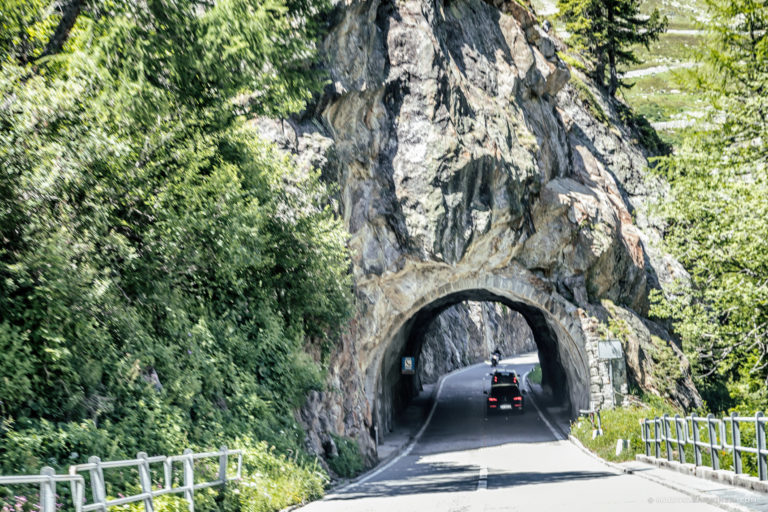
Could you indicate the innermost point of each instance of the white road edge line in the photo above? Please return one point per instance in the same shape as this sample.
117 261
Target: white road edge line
482 481
541 414
415 438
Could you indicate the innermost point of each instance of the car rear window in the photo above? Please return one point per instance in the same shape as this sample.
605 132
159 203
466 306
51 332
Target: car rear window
504 378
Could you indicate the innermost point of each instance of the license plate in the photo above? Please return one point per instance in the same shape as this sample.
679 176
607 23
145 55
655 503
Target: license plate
505 406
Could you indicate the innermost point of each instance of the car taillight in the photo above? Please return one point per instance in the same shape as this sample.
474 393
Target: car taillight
495 378
492 399
518 399
514 380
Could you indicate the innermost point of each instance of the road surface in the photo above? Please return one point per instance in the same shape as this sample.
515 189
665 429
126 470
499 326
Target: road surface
467 462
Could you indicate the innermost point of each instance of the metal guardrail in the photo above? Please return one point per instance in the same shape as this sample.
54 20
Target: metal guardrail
687 431
95 467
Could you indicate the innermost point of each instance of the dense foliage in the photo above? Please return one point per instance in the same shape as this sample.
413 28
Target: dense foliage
606 31
161 269
718 213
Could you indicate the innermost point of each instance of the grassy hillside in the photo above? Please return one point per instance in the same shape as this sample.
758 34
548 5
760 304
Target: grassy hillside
657 92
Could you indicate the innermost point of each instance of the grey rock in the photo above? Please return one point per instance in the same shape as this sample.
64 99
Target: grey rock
470 168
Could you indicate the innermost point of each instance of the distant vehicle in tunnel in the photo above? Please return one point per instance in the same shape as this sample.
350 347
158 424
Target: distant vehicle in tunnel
505 394
495 358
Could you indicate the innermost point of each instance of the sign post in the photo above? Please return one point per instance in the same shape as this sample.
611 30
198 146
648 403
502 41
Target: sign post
608 350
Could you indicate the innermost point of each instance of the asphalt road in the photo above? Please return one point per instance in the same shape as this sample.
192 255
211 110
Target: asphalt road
465 461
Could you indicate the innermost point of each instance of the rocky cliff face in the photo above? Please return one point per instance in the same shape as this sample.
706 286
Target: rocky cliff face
467 333
470 168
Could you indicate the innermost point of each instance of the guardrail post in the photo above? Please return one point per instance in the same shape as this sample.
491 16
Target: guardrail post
145 479
646 433
223 465
712 438
168 472
696 441
599 423
736 440
656 439
189 479
667 435
78 491
48 490
98 488
680 440
762 473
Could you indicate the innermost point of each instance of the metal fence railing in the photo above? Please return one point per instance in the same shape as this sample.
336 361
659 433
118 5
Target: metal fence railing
706 435
95 468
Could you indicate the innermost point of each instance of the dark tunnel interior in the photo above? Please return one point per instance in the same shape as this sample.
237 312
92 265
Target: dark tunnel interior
409 386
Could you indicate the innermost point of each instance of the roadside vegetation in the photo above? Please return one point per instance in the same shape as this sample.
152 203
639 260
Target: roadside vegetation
715 214
620 423
535 374
164 274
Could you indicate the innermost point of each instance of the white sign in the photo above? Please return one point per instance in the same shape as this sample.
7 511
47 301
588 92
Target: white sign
609 349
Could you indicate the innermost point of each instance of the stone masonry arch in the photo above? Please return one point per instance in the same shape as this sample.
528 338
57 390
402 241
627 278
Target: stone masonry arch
543 308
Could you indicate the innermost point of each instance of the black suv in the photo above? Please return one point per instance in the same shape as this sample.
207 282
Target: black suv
505 394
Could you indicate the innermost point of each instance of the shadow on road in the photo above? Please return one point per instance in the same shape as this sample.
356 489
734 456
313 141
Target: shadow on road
441 478
507 479
417 479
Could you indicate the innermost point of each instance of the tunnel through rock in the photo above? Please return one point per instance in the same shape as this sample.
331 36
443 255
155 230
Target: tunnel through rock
395 390
467 333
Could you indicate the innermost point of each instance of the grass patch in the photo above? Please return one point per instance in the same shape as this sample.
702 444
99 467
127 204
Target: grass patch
669 49
574 61
682 14
620 423
349 461
535 374
588 99
664 106
660 82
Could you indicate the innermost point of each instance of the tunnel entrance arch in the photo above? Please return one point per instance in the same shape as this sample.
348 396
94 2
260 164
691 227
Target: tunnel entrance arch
555 324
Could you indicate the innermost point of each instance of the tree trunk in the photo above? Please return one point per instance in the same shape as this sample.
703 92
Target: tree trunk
614 83
612 45
69 13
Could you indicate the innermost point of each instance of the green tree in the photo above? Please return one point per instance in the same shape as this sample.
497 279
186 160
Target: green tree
607 31
163 272
717 212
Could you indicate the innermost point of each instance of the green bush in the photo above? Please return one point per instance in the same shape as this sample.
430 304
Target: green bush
620 423
349 461
275 482
164 273
535 374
